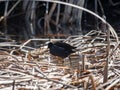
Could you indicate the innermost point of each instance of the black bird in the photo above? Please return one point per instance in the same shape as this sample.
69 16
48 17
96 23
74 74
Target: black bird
61 49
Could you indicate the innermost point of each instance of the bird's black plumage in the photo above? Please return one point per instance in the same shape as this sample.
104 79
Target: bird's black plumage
61 49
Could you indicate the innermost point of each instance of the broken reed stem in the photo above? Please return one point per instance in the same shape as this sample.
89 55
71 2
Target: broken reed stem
107 53
13 85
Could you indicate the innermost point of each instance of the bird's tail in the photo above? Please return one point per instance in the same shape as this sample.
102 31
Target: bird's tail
75 49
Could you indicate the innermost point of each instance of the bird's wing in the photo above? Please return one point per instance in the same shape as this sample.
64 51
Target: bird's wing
59 51
64 45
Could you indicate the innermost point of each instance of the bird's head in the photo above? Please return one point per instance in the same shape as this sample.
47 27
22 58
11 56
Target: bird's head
50 45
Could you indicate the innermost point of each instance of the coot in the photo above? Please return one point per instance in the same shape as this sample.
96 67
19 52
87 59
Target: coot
61 49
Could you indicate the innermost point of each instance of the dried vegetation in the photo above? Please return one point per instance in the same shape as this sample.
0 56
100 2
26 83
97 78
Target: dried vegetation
35 69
